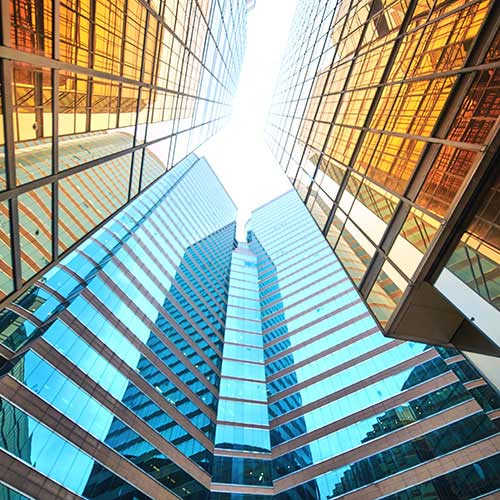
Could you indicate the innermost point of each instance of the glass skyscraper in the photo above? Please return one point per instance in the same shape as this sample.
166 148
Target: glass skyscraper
98 98
386 120
146 353
112 380
164 359
352 413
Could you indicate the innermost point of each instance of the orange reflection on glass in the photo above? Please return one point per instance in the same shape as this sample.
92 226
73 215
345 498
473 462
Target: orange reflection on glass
386 293
32 121
3 176
32 102
35 230
393 160
355 251
476 260
448 173
419 229
74 28
88 197
31 26
6 282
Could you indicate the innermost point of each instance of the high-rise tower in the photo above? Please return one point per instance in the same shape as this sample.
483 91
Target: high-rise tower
163 359
111 381
386 118
354 414
98 98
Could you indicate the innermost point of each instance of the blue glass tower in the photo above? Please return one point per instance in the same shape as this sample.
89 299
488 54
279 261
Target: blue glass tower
163 359
354 414
112 386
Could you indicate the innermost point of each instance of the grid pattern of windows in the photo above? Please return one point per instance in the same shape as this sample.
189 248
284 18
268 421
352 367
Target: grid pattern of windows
116 352
347 406
98 99
161 360
383 114
242 417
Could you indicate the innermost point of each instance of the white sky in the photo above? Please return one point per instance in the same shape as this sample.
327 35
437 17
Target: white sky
238 154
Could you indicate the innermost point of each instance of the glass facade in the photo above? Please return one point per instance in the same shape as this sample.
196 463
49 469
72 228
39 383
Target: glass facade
242 422
98 99
386 120
144 352
352 413
163 359
115 354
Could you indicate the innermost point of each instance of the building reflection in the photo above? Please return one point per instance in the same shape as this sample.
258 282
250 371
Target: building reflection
120 436
94 111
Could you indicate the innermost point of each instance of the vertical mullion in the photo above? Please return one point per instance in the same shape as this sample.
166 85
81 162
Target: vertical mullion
5 23
175 127
143 150
55 128
92 22
10 168
55 163
122 61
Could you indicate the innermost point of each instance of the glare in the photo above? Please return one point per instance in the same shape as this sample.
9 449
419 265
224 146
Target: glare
239 154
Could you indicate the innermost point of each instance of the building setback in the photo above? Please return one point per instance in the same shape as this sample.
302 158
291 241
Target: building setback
386 119
163 359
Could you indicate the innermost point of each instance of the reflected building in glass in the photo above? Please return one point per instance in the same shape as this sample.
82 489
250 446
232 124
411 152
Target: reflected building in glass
386 120
97 100
163 359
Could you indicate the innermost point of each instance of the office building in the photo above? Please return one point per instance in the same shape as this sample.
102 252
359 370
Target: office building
163 359
386 120
98 99
352 413
110 385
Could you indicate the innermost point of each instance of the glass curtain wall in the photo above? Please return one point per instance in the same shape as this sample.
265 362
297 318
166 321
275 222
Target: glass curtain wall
115 354
386 119
352 413
98 99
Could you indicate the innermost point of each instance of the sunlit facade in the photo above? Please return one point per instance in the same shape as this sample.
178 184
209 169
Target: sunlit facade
98 99
386 120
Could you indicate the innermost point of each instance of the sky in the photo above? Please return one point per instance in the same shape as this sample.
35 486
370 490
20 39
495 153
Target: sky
239 154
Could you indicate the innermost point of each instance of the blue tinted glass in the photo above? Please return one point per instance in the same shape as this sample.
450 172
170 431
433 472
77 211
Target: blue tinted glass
242 438
250 339
243 389
243 370
15 331
243 352
242 412
34 443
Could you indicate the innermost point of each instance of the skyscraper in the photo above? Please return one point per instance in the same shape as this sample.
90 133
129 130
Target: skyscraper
98 99
163 359
353 414
386 120
146 353
111 381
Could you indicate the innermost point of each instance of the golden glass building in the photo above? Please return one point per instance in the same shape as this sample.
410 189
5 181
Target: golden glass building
386 119
98 99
